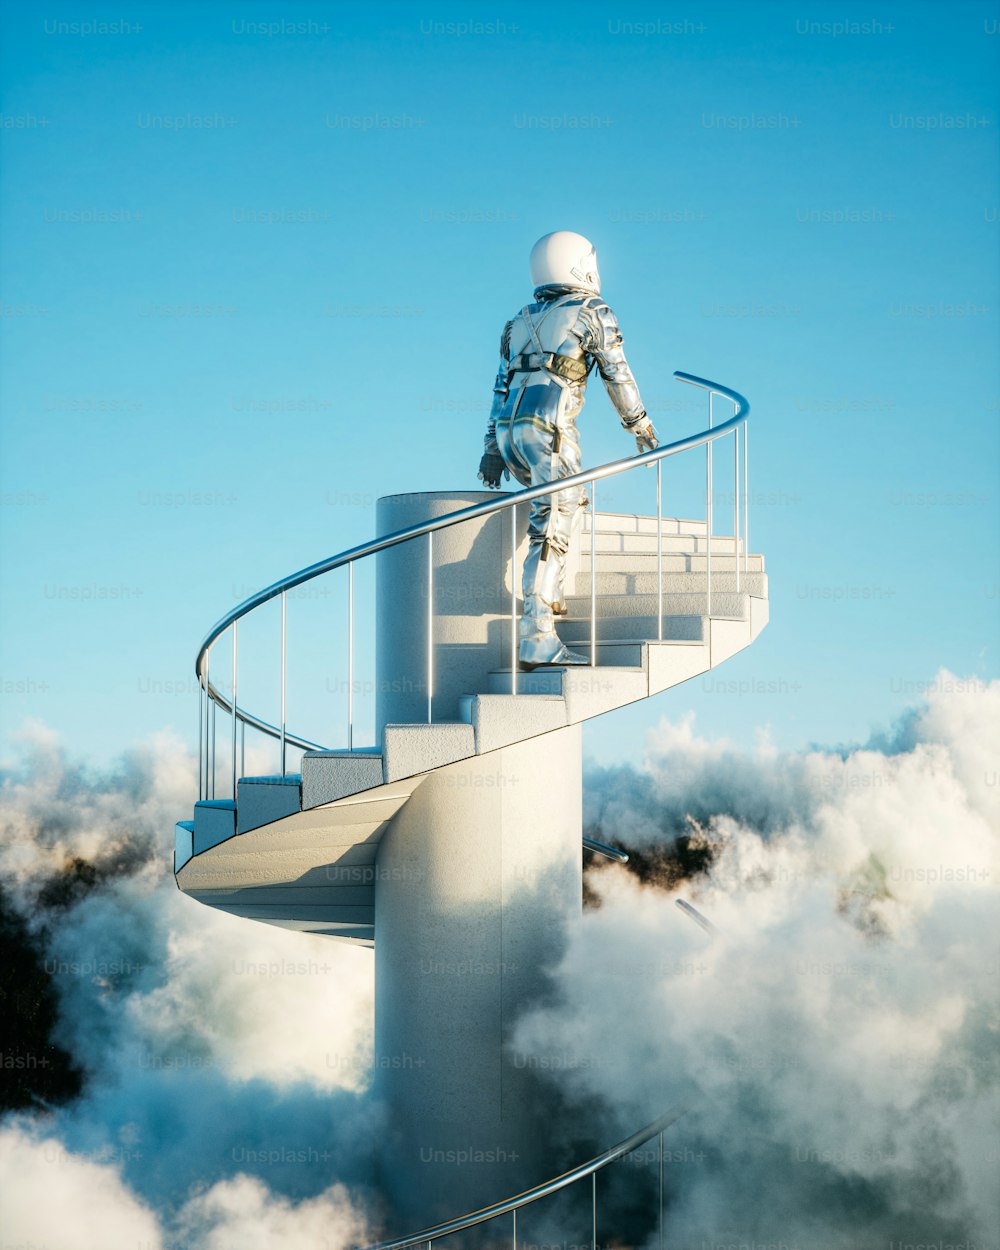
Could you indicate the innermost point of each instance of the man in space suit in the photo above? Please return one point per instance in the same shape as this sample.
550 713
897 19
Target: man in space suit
546 354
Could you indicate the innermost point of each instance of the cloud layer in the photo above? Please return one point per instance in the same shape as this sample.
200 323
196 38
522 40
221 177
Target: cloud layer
836 1041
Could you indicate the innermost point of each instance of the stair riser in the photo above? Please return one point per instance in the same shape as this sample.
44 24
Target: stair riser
616 523
724 603
576 633
260 803
674 583
645 561
673 543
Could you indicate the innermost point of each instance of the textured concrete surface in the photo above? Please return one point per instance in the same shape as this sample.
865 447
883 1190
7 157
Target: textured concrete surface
183 843
501 719
479 879
313 870
214 822
413 749
471 593
331 775
259 800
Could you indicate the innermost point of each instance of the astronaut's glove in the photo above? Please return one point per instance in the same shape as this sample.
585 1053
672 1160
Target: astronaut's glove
645 435
491 469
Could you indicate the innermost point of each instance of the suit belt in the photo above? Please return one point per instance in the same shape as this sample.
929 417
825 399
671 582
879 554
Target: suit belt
563 366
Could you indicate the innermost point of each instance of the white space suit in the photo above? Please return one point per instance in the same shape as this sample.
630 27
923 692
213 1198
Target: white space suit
546 354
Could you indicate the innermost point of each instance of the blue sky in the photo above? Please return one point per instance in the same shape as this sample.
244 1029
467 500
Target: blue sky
222 343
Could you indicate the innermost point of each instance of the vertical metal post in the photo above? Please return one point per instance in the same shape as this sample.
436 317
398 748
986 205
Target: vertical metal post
708 509
513 601
661 1189
746 496
593 1226
243 748
513 1239
208 725
211 739
430 624
736 504
350 655
593 574
282 683
659 551
234 711
201 738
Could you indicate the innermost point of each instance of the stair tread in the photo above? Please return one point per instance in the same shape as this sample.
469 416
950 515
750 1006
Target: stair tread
276 779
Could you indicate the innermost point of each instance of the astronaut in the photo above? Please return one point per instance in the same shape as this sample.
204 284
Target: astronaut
546 354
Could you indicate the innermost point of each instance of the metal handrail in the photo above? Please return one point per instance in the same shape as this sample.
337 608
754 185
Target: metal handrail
515 1203
506 500
214 697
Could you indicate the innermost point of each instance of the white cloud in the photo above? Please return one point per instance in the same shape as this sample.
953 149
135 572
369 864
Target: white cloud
838 1035
55 1200
838 1038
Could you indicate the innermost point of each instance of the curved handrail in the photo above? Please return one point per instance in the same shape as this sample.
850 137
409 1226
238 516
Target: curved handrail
239 717
505 501
515 1203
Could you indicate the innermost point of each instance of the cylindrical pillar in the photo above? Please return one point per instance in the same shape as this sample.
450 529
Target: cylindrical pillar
471 606
479 877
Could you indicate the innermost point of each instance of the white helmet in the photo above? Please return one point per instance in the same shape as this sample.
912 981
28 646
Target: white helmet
564 258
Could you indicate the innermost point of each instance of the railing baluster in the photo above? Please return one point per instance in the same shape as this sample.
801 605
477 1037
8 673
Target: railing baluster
736 505
234 711
430 626
708 511
212 747
350 655
513 599
209 697
513 1238
282 683
593 1226
661 1190
659 551
593 575
746 497
201 738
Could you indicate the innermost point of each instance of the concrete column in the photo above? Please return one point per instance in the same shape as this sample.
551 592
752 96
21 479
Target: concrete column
479 877
471 593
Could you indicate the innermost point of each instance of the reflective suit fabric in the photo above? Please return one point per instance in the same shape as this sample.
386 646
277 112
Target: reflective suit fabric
539 445
533 421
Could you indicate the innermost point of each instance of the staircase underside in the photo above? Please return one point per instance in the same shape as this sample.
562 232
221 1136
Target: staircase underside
300 851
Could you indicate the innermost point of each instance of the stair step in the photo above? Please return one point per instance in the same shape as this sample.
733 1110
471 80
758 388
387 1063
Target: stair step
331 775
214 822
548 681
260 800
609 540
724 603
575 631
642 582
582 690
673 562
183 843
629 523
500 718
410 750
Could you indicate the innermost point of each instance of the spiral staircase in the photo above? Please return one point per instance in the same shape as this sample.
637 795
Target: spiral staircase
652 600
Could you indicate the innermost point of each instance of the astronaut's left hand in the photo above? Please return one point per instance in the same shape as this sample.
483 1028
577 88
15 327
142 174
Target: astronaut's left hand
645 436
491 469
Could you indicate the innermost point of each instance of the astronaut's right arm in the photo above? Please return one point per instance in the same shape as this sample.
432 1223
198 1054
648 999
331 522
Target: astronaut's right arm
492 466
